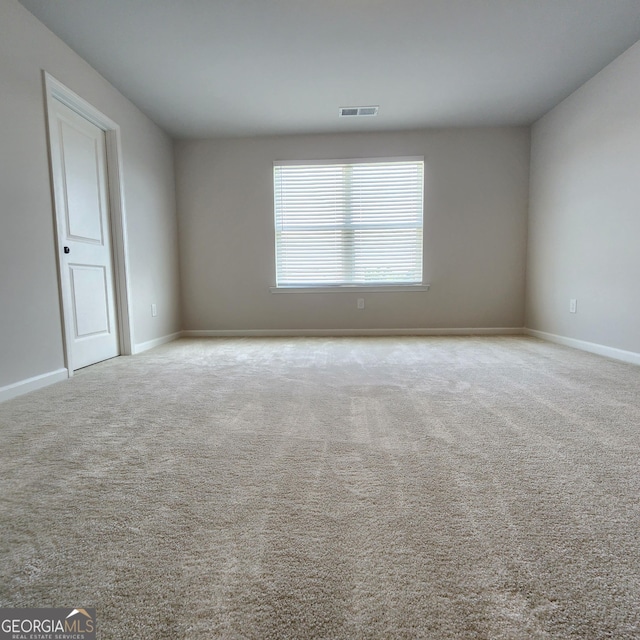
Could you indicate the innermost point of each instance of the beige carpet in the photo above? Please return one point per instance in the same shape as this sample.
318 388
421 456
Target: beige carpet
330 488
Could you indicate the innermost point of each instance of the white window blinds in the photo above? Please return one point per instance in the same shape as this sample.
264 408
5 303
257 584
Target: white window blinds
349 222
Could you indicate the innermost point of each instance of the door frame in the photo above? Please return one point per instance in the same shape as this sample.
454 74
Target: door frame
55 90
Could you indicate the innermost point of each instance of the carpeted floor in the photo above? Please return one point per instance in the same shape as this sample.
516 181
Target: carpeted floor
335 488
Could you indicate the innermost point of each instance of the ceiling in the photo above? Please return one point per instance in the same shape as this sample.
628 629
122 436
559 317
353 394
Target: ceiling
211 68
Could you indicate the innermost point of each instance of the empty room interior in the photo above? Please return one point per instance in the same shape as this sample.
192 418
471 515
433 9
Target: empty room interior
320 319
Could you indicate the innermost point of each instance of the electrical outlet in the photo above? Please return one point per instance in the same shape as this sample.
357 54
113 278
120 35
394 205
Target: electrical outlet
360 303
154 310
573 305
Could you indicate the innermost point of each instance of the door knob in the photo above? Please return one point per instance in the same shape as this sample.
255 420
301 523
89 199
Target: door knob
67 250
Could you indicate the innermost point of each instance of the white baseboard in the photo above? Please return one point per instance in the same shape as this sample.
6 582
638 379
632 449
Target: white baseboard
150 344
31 384
591 347
246 333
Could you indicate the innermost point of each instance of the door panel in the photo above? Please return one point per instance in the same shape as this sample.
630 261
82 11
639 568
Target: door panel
90 300
85 231
84 202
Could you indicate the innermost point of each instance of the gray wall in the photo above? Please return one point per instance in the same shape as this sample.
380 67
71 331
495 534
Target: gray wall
476 186
30 327
584 219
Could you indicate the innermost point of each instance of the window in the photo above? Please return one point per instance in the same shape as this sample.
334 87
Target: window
355 222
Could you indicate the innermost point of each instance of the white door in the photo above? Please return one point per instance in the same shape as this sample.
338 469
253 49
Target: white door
84 235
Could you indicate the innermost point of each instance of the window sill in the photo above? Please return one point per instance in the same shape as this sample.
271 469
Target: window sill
348 288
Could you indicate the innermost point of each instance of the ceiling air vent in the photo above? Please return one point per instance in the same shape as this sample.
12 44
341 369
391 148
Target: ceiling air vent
358 111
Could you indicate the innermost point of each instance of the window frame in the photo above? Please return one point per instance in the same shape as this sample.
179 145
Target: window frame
356 286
